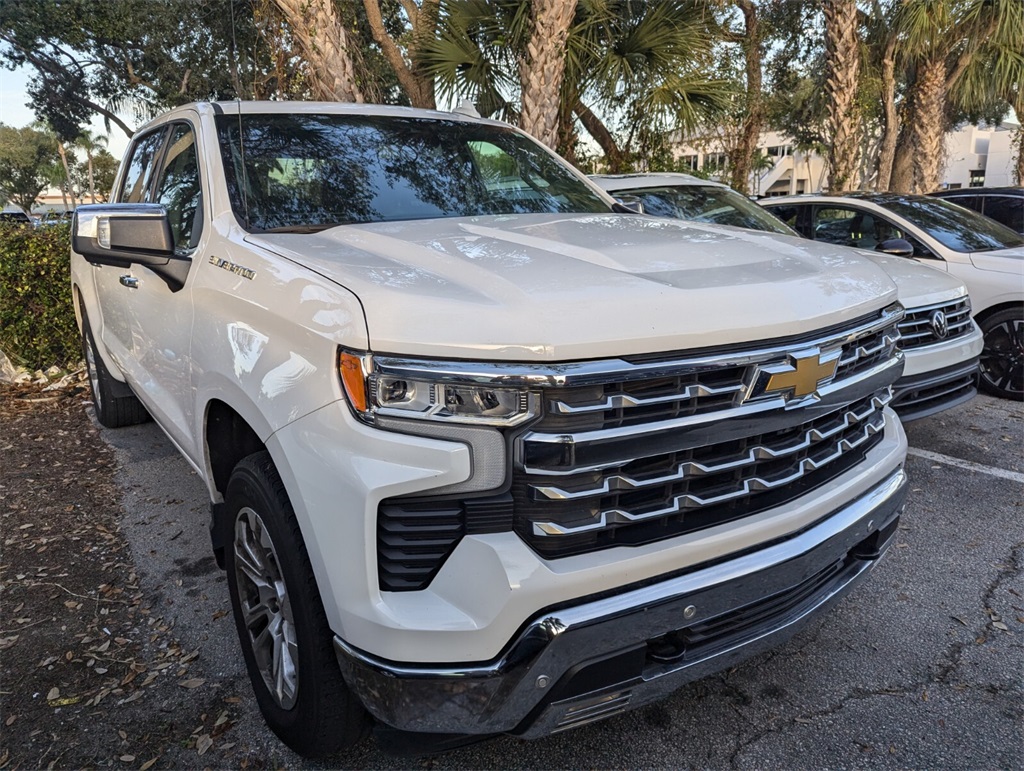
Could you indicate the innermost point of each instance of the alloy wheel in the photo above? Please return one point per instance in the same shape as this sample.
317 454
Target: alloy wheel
266 607
1002 360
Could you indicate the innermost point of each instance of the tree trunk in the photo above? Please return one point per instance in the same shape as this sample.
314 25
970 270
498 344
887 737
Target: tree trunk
1018 139
92 179
541 73
420 89
750 130
601 135
320 34
890 131
67 171
928 127
842 59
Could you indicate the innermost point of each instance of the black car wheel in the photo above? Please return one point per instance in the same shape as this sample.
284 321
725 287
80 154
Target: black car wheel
286 641
115 404
1002 360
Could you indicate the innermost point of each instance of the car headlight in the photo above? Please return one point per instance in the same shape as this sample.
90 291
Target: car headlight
421 391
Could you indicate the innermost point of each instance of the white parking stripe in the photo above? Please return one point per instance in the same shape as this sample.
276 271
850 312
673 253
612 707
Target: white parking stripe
1013 476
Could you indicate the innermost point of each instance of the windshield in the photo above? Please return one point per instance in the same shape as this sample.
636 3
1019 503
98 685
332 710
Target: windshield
310 172
708 203
955 227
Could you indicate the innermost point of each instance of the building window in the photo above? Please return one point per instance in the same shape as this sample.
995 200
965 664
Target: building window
779 151
689 162
714 161
977 178
953 186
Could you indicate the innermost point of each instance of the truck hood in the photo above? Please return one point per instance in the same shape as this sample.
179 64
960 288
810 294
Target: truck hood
546 287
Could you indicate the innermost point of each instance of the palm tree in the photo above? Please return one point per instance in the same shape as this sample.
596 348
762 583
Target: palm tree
544 67
629 65
842 61
996 73
90 143
961 52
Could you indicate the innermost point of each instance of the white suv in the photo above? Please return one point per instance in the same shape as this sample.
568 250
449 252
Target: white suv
986 256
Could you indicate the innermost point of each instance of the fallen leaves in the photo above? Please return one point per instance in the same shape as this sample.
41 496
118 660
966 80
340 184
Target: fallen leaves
203 743
193 682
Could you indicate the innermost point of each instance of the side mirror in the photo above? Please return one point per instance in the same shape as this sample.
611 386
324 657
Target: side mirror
897 247
122 234
630 203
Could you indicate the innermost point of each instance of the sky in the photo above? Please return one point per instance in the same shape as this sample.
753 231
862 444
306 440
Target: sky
14 110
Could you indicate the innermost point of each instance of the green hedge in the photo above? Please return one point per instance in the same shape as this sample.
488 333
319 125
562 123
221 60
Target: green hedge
37 318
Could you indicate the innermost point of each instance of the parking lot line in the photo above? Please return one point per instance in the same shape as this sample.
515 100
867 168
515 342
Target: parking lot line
1013 476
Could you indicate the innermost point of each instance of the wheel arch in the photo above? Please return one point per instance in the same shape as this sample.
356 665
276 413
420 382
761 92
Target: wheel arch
1008 305
228 437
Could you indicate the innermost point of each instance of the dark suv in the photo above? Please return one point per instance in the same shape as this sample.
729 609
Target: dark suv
1003 204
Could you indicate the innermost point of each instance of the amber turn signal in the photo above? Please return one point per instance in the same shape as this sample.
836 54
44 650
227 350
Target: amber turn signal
351 368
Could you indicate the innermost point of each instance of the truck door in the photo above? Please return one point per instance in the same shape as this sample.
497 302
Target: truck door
161 319
114 329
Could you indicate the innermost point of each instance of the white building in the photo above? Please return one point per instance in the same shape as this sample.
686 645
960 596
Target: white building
979 156
976 156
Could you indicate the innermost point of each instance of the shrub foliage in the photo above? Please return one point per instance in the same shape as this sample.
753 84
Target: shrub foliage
37 318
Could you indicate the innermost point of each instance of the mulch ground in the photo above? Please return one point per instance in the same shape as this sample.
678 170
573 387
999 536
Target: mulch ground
90 674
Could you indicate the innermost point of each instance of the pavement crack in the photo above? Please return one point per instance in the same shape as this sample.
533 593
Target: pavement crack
1012 567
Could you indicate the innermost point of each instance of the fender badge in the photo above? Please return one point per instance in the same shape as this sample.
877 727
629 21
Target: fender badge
238 270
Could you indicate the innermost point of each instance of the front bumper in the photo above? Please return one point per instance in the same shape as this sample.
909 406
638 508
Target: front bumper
918 396
585 661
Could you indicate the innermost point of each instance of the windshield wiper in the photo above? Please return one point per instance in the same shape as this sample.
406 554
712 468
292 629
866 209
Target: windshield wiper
307 228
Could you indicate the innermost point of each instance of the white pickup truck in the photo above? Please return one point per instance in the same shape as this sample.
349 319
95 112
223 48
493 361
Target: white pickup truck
485 454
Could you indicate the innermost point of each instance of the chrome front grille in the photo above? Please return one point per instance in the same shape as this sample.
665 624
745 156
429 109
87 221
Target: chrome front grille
663 495
635 460
921 326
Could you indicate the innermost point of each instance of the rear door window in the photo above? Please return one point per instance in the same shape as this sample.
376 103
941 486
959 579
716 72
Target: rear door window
1006 209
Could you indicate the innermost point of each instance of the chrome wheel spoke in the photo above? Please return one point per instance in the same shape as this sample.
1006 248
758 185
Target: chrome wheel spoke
266 607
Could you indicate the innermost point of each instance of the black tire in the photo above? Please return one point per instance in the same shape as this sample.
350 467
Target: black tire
315 714
115 404
1002 360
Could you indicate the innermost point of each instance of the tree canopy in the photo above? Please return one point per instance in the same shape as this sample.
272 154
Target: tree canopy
608 83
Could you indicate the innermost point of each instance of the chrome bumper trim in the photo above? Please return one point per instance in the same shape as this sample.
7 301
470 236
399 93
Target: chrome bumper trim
519 691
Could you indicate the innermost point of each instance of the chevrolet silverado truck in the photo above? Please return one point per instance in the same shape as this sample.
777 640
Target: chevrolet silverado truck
486 454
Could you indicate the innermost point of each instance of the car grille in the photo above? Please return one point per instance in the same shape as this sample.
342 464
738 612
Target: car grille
917 328
668 494
655 447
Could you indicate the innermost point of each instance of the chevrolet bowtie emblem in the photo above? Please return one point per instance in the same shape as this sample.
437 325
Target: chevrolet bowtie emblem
799 376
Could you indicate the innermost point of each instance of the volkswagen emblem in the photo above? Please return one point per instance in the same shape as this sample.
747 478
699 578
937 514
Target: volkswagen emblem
939 326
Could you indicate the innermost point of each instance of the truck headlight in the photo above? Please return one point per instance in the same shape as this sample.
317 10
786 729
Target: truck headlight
375 389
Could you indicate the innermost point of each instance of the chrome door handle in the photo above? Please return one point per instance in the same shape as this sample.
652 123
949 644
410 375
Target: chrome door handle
129 281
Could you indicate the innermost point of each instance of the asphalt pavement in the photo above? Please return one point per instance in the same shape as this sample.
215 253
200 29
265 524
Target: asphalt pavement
921 667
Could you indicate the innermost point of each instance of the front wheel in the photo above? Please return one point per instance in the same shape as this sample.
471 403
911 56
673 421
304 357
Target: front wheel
1002 359
282 627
